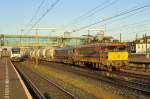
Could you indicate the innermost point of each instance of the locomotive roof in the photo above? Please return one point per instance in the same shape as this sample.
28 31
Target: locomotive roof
97 44
105 44
65 48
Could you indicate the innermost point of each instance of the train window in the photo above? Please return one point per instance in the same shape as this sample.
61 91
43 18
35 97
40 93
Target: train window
5 49
88 50
103 48
117 48
111 48
122 48
73 50
15 50
107 57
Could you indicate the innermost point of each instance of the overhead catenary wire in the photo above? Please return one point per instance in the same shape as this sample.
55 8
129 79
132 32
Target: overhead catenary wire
134 31
141 23
112 17
123 18
92 12
132 13
139 31
43 15
135 28
36 13
131 24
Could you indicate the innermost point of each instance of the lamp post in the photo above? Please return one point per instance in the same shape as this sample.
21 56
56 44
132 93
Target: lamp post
88 36
147 56
21 36
120 37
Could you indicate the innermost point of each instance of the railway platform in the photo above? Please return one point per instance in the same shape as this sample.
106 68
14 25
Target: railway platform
11 84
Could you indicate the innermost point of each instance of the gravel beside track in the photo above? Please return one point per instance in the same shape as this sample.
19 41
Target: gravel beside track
107 77
46 87
101 79
82 87
145 79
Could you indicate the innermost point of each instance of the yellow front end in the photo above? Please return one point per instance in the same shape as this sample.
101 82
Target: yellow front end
120 56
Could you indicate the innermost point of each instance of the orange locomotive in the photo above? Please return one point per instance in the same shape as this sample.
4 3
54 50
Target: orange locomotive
106 56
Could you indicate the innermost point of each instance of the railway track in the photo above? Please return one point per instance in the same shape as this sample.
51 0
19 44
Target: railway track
48 89
134 84
36 93
135 77
143 87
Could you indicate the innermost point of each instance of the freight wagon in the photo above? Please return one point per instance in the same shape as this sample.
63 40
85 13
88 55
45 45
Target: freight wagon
64 55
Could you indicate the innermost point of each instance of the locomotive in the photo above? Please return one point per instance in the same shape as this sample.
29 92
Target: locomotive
15 54
18 54
104 56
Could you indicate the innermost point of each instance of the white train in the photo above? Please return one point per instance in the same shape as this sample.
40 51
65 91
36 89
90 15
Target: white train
15 54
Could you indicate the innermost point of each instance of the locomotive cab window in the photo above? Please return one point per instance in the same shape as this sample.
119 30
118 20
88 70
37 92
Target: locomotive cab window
112 48
16 50
117 48
122 48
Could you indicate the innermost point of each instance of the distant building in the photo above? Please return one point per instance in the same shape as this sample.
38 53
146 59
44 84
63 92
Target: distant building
143 45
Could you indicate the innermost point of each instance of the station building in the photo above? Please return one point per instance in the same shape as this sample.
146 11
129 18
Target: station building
142 45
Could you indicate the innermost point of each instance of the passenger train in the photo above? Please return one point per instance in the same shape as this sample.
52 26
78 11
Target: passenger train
15 54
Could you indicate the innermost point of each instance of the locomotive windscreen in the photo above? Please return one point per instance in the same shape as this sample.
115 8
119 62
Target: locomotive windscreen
117 48
16 50
122 48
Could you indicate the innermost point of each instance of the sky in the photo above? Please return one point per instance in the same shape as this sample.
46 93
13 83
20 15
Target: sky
66 16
